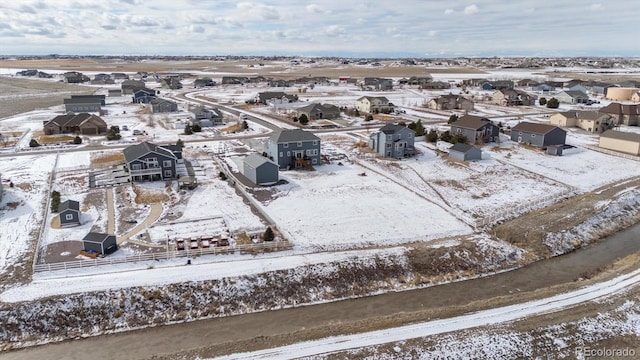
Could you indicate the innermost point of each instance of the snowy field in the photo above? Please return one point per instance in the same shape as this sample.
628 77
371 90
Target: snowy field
334 207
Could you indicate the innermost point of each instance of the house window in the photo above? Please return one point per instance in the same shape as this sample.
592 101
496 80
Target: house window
166 163
281 154
533 135
409 135
388 146
135 167
299 144
285 145
167 173
288 153
68 217
315 142
314 161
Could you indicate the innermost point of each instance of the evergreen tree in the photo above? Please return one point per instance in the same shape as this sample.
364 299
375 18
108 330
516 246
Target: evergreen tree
553 103
196 128
180 143
268 234
542 101
304 120
419 128
34 143
432 136
453 118
77 140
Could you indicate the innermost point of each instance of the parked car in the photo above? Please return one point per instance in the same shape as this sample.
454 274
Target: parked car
137 132
125 128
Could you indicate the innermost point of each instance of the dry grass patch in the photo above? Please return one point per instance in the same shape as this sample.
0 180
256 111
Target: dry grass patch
500 149
49 139
13 204
243 239
106 157
24 186
232 128
149 196
360 144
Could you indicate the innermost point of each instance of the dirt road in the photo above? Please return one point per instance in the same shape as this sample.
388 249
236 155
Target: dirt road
267 329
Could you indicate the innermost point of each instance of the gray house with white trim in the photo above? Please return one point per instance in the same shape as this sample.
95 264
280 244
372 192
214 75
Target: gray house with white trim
260 170
394 141
150 162
476 129
294 148
69 213
103 244
539 135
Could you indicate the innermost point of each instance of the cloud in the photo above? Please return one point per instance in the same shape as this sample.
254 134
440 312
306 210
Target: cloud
131 2
27 9
432 33
448 12
314 8
595 7
471 9
334 30
143 21
196 29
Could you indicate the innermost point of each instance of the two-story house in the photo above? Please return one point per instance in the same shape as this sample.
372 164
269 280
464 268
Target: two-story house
206 117
294 148
510 97
374 105
147 161
393 141
591 121
450 102
627 114
477 130
159 105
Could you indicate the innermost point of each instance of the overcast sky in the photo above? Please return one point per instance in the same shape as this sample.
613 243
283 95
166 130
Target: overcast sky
412 28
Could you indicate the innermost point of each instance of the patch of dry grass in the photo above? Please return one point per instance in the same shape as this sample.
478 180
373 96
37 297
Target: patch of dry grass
13 204
106 157
25 186
49 139
360 144
149 196
232 128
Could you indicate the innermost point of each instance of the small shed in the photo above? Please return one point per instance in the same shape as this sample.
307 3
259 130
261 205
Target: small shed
100 243
465 152
260 170
69 213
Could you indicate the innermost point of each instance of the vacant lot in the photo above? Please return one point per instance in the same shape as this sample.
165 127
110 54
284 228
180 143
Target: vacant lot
22 95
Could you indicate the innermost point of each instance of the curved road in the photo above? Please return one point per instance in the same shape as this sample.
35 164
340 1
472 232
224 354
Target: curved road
272 328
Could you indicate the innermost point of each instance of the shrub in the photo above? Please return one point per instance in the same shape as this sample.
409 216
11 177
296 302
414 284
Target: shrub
188 130
303 119
268 234
368 117
553 103
222 176
196 128
453 118
55 201
77 140
33 143
542 101
432 136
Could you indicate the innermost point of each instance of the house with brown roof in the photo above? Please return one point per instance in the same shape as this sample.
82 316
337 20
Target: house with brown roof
317 111
450 102
539 135
620 141
591 121
477 130
627 114
510 97
84 124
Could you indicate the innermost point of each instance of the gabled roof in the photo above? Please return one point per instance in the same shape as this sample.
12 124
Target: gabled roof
471 122
621 109
582 114
96 237
621 135
75 120
534 128
69 205
461 147
264 96
137 151
158 101
291 135
255 160
320 107
383 98
575 93
390 129
83 100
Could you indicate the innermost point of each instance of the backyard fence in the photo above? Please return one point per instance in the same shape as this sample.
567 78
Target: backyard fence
167 255
611 152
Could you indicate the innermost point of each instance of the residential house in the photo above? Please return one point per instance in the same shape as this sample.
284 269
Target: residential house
69 213
159 105
260 170
571 83
591 121
543 87
418 81
203 82
275 97
621 94
143 96
119 76
623 113
450 102
317 111
374 105
130 86
294 148
477 130
539 135
497 85
74 77
206 117
435 85
578 87
635 97
171 82
527 83
83 124
234 80
394 141
625 142
571 97
103 244
147 161
378 83
280 83
630 83
510 97
114 92
465 152
84 103
597 87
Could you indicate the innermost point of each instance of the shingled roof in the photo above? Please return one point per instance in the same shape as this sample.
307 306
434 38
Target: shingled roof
134 152
291 135
534 128
471 122
621 135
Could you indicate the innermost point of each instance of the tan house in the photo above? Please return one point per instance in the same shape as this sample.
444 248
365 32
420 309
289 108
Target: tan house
591 121
84 124
621 93
623 113
450 102
374 105
319 111
510 97
620 141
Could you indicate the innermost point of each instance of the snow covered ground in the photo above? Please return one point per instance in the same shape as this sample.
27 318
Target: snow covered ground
481 318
